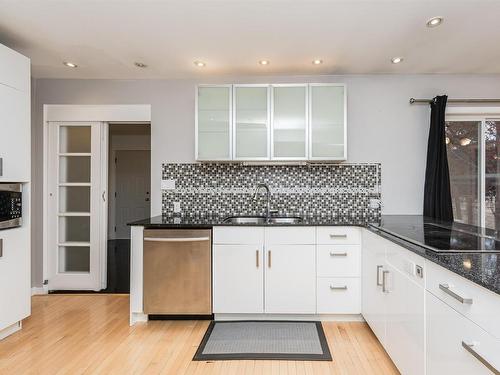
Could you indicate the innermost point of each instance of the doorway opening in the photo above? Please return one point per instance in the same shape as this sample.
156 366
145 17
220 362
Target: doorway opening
129 198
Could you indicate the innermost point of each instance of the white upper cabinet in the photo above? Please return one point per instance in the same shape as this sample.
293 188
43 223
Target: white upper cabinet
271 122
15 111
328 137
251 122
213 123
15 69
289 122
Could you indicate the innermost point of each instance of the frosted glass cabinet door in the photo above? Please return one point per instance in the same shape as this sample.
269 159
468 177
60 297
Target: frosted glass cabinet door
327 121
214 123
251 120
289 122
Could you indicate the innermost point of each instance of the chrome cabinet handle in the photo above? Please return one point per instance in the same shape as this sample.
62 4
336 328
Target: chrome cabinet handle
257 258
338 235
446 288
379 283
334 254
332 287
384 281
484 361
269 258
104 196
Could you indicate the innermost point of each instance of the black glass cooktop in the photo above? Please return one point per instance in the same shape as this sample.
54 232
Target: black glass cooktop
441 236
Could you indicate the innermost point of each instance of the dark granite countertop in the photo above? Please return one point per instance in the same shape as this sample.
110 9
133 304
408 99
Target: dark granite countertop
413 232
204 222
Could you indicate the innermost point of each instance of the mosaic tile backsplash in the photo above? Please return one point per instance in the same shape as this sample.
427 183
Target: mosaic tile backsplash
334 190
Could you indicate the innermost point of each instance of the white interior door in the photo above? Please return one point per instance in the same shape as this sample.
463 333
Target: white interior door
76 201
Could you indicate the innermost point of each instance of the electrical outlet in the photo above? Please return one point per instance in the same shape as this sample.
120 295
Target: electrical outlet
375 203
419 271
177 207
168 184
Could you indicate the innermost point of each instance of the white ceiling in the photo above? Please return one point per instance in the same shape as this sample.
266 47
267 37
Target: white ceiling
105 37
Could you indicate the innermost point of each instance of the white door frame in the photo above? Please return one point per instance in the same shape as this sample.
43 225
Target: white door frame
140 113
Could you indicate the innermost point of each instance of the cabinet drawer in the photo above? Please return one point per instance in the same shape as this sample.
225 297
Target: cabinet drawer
336 295
290 236
338 260
473 301
338 235
238 235
448 335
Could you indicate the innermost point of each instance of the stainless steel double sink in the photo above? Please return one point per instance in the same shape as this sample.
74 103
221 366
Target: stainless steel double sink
261 220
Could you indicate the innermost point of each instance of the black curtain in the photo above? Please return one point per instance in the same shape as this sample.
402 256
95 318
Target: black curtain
437 195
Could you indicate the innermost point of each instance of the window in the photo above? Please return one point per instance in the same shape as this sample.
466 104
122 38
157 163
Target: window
473 156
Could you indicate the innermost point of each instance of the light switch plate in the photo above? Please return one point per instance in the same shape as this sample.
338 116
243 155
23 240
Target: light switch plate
168 184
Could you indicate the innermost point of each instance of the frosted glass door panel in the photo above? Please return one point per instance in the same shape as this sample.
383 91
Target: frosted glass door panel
74 229
289 122
74 199
214 123
74 169
74 259
251 122
74 139
327 122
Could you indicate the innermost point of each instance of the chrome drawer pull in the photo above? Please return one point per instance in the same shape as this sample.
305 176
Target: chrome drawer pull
384 282
334 254
484 361
446 288
332 287
338 235
257 258
379 283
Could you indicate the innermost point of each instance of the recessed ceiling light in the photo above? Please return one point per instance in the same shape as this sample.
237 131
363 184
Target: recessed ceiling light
140 64
317 62
264 62
435 21
396 60
199 64
70 64
448 140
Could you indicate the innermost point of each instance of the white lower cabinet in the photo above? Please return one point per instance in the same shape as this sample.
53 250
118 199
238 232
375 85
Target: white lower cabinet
455 345
373 300
238 279
290 279
393 304
260 270
15 288
405 321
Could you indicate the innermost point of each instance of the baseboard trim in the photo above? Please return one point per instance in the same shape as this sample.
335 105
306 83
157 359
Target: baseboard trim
10 330
39 290
303 317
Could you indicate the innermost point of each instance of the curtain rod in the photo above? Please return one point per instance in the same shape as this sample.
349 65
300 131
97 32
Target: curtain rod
427 101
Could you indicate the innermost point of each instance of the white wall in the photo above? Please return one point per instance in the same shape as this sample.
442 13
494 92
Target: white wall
382 126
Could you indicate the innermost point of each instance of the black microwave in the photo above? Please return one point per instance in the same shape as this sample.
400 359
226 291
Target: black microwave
11 205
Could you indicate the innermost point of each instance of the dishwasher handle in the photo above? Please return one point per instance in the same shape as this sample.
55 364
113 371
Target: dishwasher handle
173 239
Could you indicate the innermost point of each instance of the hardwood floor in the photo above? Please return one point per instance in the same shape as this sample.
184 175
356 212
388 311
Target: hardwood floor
89 334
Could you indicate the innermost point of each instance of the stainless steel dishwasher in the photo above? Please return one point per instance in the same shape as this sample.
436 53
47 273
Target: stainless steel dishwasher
177 272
